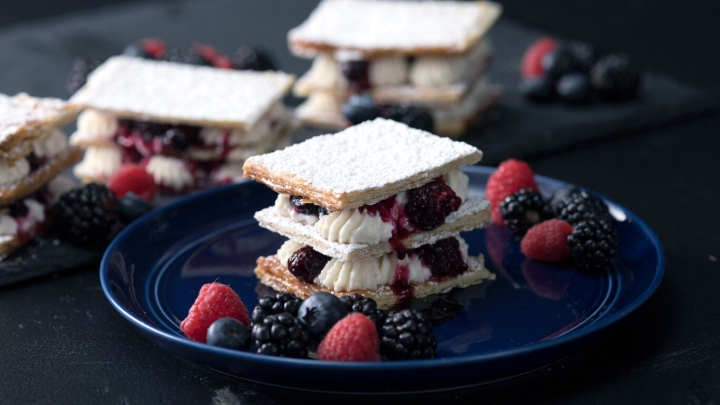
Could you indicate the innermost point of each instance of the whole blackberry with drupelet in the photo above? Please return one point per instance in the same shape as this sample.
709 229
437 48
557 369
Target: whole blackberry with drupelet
412 116
275 304
187 55
248 57
281 335
581 206
616 78
306 263
522 210
86 216
81 68
366 306
443 258
584 54
592 244
406 335
429 205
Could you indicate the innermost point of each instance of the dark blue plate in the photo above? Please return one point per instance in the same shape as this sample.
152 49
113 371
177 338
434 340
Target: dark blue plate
533 314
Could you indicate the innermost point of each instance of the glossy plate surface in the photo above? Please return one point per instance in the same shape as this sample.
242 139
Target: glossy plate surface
531 315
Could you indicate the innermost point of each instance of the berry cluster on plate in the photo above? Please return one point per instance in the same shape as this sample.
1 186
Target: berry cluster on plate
323 326
574 224
577 73
244 58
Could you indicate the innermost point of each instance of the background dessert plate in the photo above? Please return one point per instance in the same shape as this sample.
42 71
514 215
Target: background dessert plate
532 315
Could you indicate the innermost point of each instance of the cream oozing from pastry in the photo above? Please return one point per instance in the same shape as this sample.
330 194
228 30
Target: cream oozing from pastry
93 124
388 71
169 172
431 71
99 162
12 172
52 145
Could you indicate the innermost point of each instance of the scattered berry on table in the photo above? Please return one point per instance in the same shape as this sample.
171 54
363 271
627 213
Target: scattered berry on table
510 177
522 210
214 301
86 216
131 207
540 89
187 54
281 335
133 178
547 241
558 63
306 263
79 71
443 258
592 244
429 205
574 88
407 334
366 306
580 206
359 108
354 338
213 56
320 311
412 116
251 58
275 304
616 78
532 59
229 333
584 54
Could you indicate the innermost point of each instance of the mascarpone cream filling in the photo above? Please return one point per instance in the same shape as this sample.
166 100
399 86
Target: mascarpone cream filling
95 124
169 172
53 145
10 173
388 71
8 225
325 73
431 71
99 162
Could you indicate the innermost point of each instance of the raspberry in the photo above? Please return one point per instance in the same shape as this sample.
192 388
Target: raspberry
510 177
532 59
429 205
353 338
155 48
133 178
547 241
214 301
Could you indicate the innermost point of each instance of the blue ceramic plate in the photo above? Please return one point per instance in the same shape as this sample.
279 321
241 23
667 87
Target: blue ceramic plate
533 314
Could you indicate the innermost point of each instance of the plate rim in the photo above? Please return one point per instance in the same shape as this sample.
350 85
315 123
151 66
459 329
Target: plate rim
458 361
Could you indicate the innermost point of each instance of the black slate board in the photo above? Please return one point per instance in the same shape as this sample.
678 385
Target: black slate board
36 58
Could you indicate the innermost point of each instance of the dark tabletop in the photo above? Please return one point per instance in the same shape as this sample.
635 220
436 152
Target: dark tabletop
62 342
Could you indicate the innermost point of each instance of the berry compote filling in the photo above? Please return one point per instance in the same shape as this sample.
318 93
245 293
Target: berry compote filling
297 204
306 263
443 258
356 73
429 205
148 138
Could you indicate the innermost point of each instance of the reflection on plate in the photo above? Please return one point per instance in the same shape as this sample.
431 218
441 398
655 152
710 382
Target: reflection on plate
531 315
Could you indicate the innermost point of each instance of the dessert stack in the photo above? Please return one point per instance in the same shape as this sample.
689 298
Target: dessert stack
190 126
427 54
33 153
374 210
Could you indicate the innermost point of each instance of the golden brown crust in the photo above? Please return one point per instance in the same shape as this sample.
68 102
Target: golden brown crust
8 244
35 180
20 143
272 273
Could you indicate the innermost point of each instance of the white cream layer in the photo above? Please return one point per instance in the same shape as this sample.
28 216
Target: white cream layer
169 172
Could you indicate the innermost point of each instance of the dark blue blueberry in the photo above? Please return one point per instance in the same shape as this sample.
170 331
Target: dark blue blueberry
320 311
177 139
137 50
130 207
558 63
229 333
412 116
538 89
359 108
575 88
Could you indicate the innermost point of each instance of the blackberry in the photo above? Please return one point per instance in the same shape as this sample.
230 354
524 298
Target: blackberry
429 205
86 216
443 258
365 306
251 58
540 89
281 335
592 244
275 304
580 206
306 263
407 334
558 62
187 55
616 78
584 54
575 88
359 108
81 68
522 210
412 116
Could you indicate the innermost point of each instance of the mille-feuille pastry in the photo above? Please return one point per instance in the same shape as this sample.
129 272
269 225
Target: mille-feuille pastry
190 126
33 153
430 54
375 209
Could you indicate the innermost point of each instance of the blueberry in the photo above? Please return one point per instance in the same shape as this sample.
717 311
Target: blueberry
320 311
130 207
538 89
177 139
558 63
575 88
137 50
229 333
359 108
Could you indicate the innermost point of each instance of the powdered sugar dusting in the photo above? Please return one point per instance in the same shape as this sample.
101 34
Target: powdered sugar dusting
366 156
401 26
22 112
182 93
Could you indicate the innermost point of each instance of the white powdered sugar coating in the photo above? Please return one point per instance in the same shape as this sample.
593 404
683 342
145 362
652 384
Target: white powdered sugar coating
172 92
22 112
399 26
366 156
